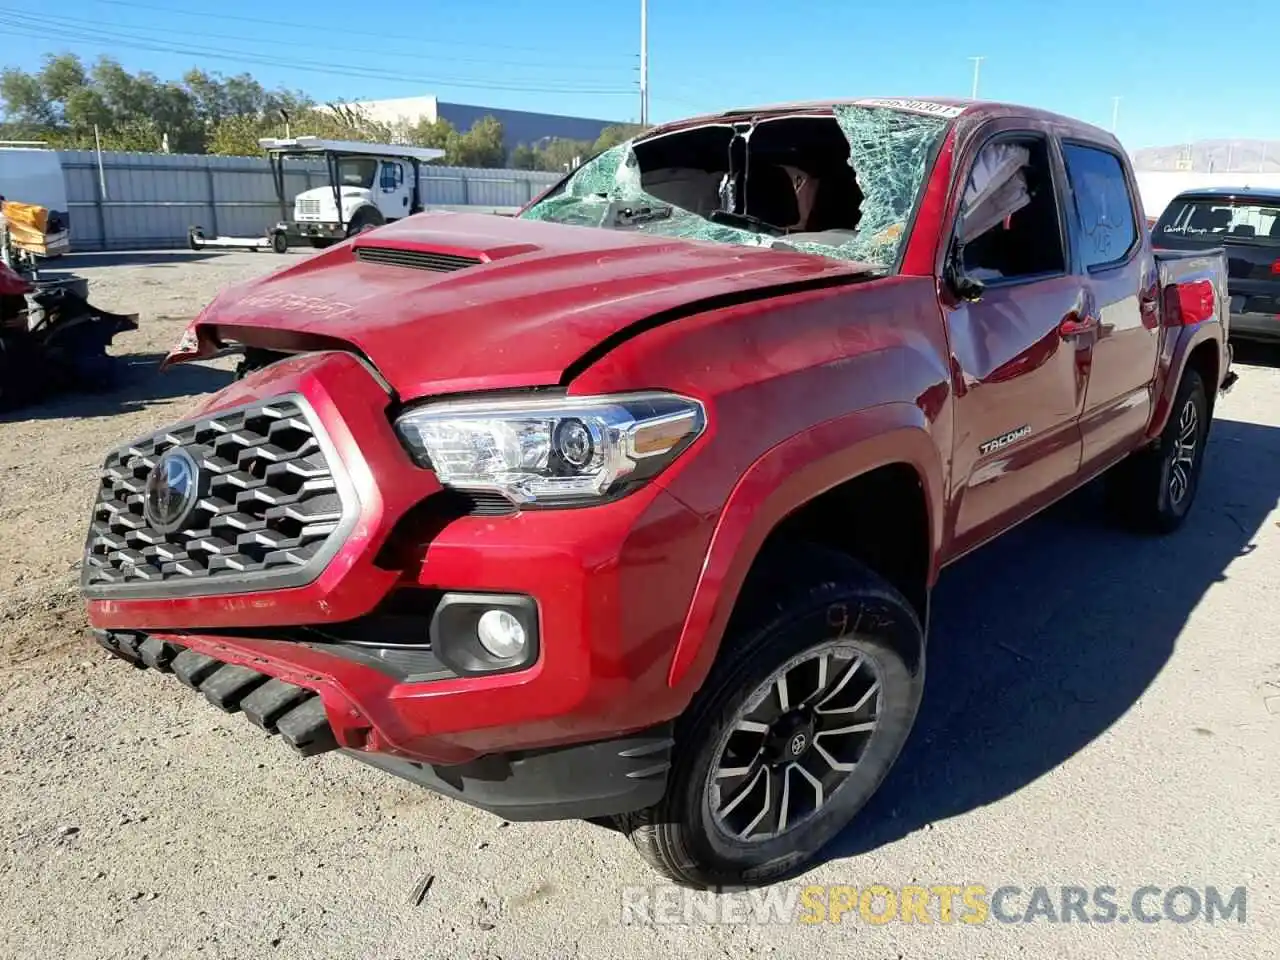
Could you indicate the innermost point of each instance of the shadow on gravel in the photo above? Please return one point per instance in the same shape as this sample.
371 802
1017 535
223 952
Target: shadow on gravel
140 383
131 258
1256 353
1043 639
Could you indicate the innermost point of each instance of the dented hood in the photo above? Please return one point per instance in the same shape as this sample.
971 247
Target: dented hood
452 302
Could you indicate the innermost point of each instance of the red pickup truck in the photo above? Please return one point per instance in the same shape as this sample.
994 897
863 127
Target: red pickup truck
630 506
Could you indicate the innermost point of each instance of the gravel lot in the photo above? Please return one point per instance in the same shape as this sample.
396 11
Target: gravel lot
1102 710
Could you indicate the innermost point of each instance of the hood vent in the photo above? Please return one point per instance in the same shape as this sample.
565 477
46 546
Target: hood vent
433 261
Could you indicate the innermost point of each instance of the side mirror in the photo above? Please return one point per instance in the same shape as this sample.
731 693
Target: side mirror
962 287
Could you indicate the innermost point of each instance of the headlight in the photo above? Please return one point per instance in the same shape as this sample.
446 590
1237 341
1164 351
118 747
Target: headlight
551 450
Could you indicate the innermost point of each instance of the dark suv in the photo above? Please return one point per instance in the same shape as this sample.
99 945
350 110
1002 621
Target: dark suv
1246 221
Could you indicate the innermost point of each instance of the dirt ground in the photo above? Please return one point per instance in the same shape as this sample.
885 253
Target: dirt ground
1102 709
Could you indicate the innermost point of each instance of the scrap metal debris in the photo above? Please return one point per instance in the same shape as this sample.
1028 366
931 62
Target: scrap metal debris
53 339
422 889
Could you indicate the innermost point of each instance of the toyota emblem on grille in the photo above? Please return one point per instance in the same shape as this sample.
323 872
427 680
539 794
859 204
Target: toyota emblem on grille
172 489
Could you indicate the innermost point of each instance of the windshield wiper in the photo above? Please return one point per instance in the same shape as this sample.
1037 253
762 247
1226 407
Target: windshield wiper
745 221
623 213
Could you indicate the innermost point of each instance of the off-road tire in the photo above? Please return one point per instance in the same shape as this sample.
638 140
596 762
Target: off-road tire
797 599
1142 490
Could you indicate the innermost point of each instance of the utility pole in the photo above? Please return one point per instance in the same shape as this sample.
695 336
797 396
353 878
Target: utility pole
1115 113
977 67
644 62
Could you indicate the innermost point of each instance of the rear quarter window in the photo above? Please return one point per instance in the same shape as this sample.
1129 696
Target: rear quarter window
1104 206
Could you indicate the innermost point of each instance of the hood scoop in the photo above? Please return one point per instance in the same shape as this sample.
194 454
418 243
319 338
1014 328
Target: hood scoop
433 261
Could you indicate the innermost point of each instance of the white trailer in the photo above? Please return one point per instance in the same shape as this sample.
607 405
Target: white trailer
369 184
31 173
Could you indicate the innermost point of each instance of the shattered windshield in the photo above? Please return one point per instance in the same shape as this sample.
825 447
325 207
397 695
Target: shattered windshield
844 185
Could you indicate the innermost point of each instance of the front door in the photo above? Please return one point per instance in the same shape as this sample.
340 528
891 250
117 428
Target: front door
1120 275
392 193
1020 369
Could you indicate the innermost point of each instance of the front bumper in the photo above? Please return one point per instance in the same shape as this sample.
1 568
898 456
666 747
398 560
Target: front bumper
612 585
319 229
596 779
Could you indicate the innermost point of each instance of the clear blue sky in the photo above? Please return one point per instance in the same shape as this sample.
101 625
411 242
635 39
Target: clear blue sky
580 56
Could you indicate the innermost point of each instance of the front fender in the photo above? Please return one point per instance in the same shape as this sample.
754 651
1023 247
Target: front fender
784 478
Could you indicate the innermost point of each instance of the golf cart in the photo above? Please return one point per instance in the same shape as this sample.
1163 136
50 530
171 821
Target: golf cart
369 184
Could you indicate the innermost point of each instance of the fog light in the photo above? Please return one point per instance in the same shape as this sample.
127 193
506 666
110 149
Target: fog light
501 634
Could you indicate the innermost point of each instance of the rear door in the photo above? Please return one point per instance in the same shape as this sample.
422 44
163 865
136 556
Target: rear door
1121 316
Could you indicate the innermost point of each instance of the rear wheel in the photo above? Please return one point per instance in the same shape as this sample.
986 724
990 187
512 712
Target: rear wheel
1153 489
804 713
279 241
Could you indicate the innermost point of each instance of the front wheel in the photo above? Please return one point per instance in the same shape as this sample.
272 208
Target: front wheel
804 713
364 220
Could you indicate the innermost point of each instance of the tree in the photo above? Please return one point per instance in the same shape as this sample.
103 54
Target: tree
86 108
204 112
524 157
481 146
561 155
429 133
61 76
616 134
25 101
238 135
209 96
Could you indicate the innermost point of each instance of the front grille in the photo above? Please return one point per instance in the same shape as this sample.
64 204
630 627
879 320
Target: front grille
416 259
268 507
305 207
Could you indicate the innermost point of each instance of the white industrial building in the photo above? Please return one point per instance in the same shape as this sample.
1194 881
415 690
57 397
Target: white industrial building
518 126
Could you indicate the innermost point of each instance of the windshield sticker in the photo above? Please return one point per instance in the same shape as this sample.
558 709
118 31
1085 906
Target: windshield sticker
913 106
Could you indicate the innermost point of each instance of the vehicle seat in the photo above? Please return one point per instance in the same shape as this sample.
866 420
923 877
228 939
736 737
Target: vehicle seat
838 204
1244 230
771 195
1274 233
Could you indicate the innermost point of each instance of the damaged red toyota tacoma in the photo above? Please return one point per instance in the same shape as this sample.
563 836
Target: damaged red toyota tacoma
630 506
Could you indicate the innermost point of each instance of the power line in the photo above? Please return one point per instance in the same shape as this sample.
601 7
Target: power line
293 25
31 27
273 41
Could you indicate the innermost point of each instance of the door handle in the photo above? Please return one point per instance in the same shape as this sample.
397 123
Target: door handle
1073 325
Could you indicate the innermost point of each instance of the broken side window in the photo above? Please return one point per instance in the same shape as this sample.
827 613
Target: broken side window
1009 224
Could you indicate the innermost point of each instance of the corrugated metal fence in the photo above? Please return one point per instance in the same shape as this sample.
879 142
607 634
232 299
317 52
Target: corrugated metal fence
151 199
